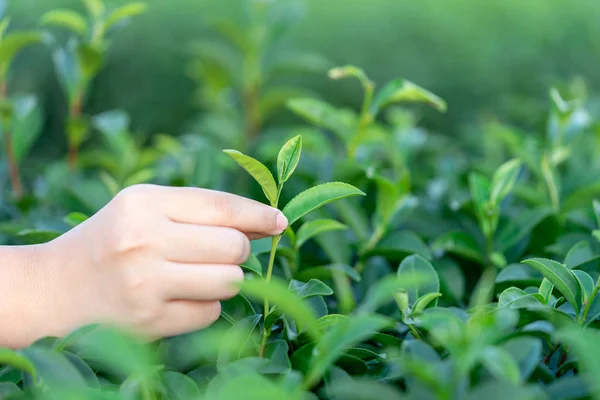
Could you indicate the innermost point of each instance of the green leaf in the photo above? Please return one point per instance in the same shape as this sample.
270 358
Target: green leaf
9 390
509 295
593 311
500 364
384 289
127 11
277 293
178 386
253 264
399 244
424 301
546 289
362 389
316 197
322 115
459 243
402 91
315 227
349 71
95 7
345 334
13 44
415 265
54 369
585 343
239 334
312 288
90 59
326 272
75 218
288 158
562 278
494 390
17 361
579 255
259 172
516 229
587 284
504 180
68 19
36 236
526 351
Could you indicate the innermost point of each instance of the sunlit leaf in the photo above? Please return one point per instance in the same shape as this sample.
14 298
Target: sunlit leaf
316 197
404 91
259 172
68 19
124 12
288 158
504 180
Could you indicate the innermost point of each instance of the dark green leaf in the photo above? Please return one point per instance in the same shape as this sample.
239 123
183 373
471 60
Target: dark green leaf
312 288
253 264
501 364
179 387
315 227
399 244
459 243
562 278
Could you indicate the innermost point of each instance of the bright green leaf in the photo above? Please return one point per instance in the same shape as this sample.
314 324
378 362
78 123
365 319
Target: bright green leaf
75 218
402 91
587 284
424 301
546 289
127 11
504 180
16 360
316 197
13 44
68 19
288 158
258 171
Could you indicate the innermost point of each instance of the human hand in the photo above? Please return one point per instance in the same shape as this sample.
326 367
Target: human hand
155 259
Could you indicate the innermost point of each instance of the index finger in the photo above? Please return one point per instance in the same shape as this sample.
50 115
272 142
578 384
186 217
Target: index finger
216 208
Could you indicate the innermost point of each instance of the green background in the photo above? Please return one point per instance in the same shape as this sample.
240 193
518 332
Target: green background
486 58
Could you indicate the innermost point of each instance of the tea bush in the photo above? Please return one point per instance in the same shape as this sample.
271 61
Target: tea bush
415 265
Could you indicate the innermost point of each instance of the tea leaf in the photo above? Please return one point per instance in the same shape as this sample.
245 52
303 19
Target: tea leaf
178 386
587 284
546 289
459 243
127 11
345 334
288 158
383 290
500 364
315 227
579 255
321 114
95 7
239 334
526 351
277 293
504 180
68 19
54 369
316 197
362 389
13 44
400 244
253 264
593 311
75 218
259 172
562 278
90 59
424 301
402 90
586 345
415 265
312 288
18 361
326 271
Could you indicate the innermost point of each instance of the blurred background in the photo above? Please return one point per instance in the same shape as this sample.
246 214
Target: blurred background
485 58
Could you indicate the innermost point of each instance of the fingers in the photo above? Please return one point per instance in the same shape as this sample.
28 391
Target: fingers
182 316
187 243
200 282
215 208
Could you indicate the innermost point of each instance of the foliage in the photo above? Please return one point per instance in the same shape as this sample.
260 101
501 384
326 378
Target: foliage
415 265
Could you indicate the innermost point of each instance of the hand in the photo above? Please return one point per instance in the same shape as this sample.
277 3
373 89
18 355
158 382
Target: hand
155 259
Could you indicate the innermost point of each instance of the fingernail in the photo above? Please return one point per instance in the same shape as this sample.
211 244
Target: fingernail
281 223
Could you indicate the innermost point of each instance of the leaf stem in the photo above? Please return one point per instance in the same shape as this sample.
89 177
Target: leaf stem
587 307
274 242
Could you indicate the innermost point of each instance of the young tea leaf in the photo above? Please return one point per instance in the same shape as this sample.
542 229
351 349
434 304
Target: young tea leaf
253 264
258 171
15 360
504 180
288 158
417 265
563 279
316 197
424 301
401 91
13 44
546 289
127 11
315 227
68 19
587 284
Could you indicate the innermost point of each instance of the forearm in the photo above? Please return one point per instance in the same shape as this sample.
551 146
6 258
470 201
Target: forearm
24 276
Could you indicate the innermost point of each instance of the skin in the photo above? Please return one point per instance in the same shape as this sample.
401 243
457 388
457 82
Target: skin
155 259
